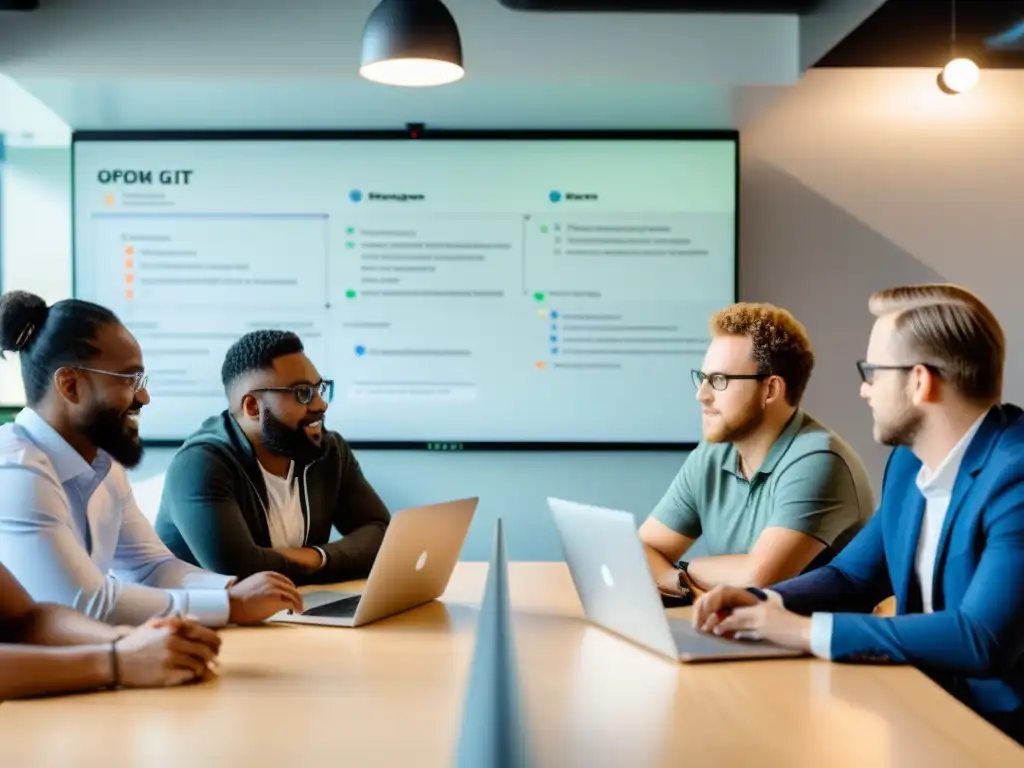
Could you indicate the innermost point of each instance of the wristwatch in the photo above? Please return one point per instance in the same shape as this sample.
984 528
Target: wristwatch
760 594
683 580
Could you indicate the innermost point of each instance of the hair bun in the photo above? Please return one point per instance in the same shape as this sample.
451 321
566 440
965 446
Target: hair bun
22 315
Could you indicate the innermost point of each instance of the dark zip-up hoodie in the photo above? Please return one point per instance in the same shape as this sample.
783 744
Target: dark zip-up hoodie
213 512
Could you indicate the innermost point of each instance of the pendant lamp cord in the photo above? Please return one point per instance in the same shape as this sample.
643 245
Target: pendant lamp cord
952 26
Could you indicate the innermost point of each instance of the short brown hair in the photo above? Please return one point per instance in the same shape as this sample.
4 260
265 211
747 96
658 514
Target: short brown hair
950 328
780 342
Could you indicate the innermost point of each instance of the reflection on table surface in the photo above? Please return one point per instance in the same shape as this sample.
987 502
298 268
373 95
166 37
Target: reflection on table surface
391 693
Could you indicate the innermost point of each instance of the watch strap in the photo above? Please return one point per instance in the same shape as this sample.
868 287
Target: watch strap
683 581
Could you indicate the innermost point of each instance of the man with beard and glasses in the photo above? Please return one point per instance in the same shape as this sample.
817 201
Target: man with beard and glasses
260 485
770 491
948 538
70 530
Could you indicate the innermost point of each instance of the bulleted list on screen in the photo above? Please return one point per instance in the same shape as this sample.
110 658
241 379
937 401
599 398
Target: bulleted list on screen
405 353
656 257
197 261
632 337
440 257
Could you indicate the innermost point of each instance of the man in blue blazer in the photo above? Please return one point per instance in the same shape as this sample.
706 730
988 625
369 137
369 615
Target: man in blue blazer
948 537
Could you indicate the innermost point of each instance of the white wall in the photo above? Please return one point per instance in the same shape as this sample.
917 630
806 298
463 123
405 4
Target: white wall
25 121
35 225
856 180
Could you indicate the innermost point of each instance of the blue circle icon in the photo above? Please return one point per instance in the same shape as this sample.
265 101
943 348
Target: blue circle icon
355 195
554 196
360 350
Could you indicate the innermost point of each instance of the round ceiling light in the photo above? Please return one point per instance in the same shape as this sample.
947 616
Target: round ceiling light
958 76
411 43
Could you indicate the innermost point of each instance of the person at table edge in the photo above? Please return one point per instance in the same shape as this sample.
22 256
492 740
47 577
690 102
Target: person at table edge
259 486
70 530
48 649
770 490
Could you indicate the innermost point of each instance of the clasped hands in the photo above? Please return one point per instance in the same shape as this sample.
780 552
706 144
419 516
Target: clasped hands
735 612
176 649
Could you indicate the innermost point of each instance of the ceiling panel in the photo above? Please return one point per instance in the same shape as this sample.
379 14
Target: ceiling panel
916 33
664 6
321 39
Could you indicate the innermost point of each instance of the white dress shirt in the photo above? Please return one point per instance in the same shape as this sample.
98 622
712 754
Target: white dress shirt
72 534
937 489
285 519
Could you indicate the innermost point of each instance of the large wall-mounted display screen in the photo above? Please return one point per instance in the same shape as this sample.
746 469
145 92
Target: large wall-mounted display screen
459 290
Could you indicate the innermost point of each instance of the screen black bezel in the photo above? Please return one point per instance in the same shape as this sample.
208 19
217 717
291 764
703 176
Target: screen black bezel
418 133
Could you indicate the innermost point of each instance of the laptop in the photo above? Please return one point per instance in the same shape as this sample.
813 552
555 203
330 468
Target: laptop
414 564
613 579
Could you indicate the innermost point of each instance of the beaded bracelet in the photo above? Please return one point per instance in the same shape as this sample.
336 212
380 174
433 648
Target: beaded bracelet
114 665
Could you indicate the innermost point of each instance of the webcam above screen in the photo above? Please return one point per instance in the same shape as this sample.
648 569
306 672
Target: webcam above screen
663 6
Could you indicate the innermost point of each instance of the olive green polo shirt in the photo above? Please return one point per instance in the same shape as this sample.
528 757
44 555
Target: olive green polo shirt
812 481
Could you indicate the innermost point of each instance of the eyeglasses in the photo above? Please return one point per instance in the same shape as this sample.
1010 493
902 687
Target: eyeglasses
304 392
867 370
720 381
139 379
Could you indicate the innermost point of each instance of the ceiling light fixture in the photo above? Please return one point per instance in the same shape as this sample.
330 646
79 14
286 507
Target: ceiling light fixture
411 43
960 74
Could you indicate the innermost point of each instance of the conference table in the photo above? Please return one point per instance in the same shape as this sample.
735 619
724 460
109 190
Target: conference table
391 693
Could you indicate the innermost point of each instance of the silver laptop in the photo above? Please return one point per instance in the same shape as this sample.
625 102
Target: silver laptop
614 583
420 550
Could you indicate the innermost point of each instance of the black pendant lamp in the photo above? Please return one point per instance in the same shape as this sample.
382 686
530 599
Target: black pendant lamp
411 43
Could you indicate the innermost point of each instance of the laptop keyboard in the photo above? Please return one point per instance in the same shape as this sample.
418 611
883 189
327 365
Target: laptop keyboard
690 640
339 609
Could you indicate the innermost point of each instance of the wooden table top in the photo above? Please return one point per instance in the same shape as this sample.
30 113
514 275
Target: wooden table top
390 694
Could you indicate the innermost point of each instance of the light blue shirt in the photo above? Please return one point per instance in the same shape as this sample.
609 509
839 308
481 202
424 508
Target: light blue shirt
937 489
72 534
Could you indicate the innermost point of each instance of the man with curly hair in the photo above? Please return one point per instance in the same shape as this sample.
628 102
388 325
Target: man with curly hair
770 490
260 485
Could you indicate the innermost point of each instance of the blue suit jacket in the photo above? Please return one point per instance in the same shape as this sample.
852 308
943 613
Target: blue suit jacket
973 642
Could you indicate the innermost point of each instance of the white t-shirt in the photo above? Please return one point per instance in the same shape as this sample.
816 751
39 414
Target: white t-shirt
284 509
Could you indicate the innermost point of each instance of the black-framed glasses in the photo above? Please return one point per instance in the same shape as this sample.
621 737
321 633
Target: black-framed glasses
867 370
720 381
139 379
304 392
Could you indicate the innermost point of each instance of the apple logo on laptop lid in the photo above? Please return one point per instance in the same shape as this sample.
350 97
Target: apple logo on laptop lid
422 561
606 574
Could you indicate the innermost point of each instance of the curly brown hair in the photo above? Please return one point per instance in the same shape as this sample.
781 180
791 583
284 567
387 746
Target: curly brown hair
780 343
